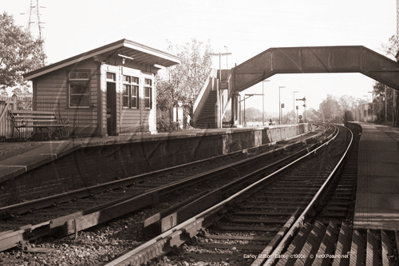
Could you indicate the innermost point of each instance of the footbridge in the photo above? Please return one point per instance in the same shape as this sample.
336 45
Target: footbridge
213 98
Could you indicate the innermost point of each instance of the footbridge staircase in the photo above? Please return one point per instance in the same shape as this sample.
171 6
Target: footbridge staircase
212 100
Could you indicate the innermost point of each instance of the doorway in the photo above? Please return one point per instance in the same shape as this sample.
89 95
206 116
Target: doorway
111 108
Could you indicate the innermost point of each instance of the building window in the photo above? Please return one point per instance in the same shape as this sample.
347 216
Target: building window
130 92
135 97
79 89
126 92
148 93
111 76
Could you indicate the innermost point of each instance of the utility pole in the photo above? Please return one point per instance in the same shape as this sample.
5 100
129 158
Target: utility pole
293 102
386 101
395 106
397 18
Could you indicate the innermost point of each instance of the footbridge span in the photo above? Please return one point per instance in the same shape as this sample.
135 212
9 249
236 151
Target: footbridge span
323 59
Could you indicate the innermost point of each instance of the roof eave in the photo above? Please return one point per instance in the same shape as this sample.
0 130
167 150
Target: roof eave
109 47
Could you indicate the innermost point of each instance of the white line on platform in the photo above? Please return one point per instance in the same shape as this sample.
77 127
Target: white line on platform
19 166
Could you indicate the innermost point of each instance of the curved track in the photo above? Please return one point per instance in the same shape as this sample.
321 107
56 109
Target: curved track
255 216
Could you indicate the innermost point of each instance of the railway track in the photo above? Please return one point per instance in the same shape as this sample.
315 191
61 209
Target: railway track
325 240
79 210
252 220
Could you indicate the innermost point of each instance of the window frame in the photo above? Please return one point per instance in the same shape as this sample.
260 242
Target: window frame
72 80
132 85
149 97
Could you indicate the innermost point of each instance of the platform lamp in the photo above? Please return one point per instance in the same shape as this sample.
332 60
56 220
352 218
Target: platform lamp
279 104
293 102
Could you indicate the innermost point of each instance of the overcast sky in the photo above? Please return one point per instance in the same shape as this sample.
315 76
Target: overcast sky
247 28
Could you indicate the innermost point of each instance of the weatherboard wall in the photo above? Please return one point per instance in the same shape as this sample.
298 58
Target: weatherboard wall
51 94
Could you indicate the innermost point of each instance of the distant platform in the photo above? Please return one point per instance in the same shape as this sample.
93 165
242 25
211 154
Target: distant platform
377 199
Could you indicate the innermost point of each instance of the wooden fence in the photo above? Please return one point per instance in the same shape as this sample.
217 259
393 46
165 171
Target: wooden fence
7 129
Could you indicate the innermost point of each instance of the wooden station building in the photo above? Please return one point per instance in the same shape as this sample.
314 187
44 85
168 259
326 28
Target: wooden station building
110 90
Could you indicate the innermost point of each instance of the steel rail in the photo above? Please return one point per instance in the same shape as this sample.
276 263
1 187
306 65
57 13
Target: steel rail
161 240
294 228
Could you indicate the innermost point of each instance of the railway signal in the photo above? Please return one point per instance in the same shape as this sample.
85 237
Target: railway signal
304 105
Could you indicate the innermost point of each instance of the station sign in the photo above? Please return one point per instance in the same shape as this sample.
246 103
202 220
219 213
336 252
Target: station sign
224 85
130 72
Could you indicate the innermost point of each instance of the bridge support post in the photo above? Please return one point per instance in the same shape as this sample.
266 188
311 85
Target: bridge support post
235 109
218 106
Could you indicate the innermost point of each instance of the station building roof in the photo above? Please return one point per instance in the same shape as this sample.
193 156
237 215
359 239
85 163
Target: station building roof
141 54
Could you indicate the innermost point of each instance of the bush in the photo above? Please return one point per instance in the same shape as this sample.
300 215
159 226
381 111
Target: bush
163 126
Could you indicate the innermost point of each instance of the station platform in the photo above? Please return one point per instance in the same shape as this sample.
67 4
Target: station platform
27 157
151 150
377 199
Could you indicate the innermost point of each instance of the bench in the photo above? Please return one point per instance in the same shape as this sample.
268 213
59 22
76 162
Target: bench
39 120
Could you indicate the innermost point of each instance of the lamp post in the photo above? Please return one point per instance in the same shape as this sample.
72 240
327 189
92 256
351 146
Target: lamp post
293 102
263 102
279 104
372 101
227 63
219 108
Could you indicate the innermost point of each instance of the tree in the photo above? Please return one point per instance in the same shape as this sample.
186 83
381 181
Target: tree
347 103
184 81
379 102
391 49
330 108
19 53
312 115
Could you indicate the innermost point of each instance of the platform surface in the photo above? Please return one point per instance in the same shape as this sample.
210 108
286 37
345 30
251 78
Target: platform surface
377 199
